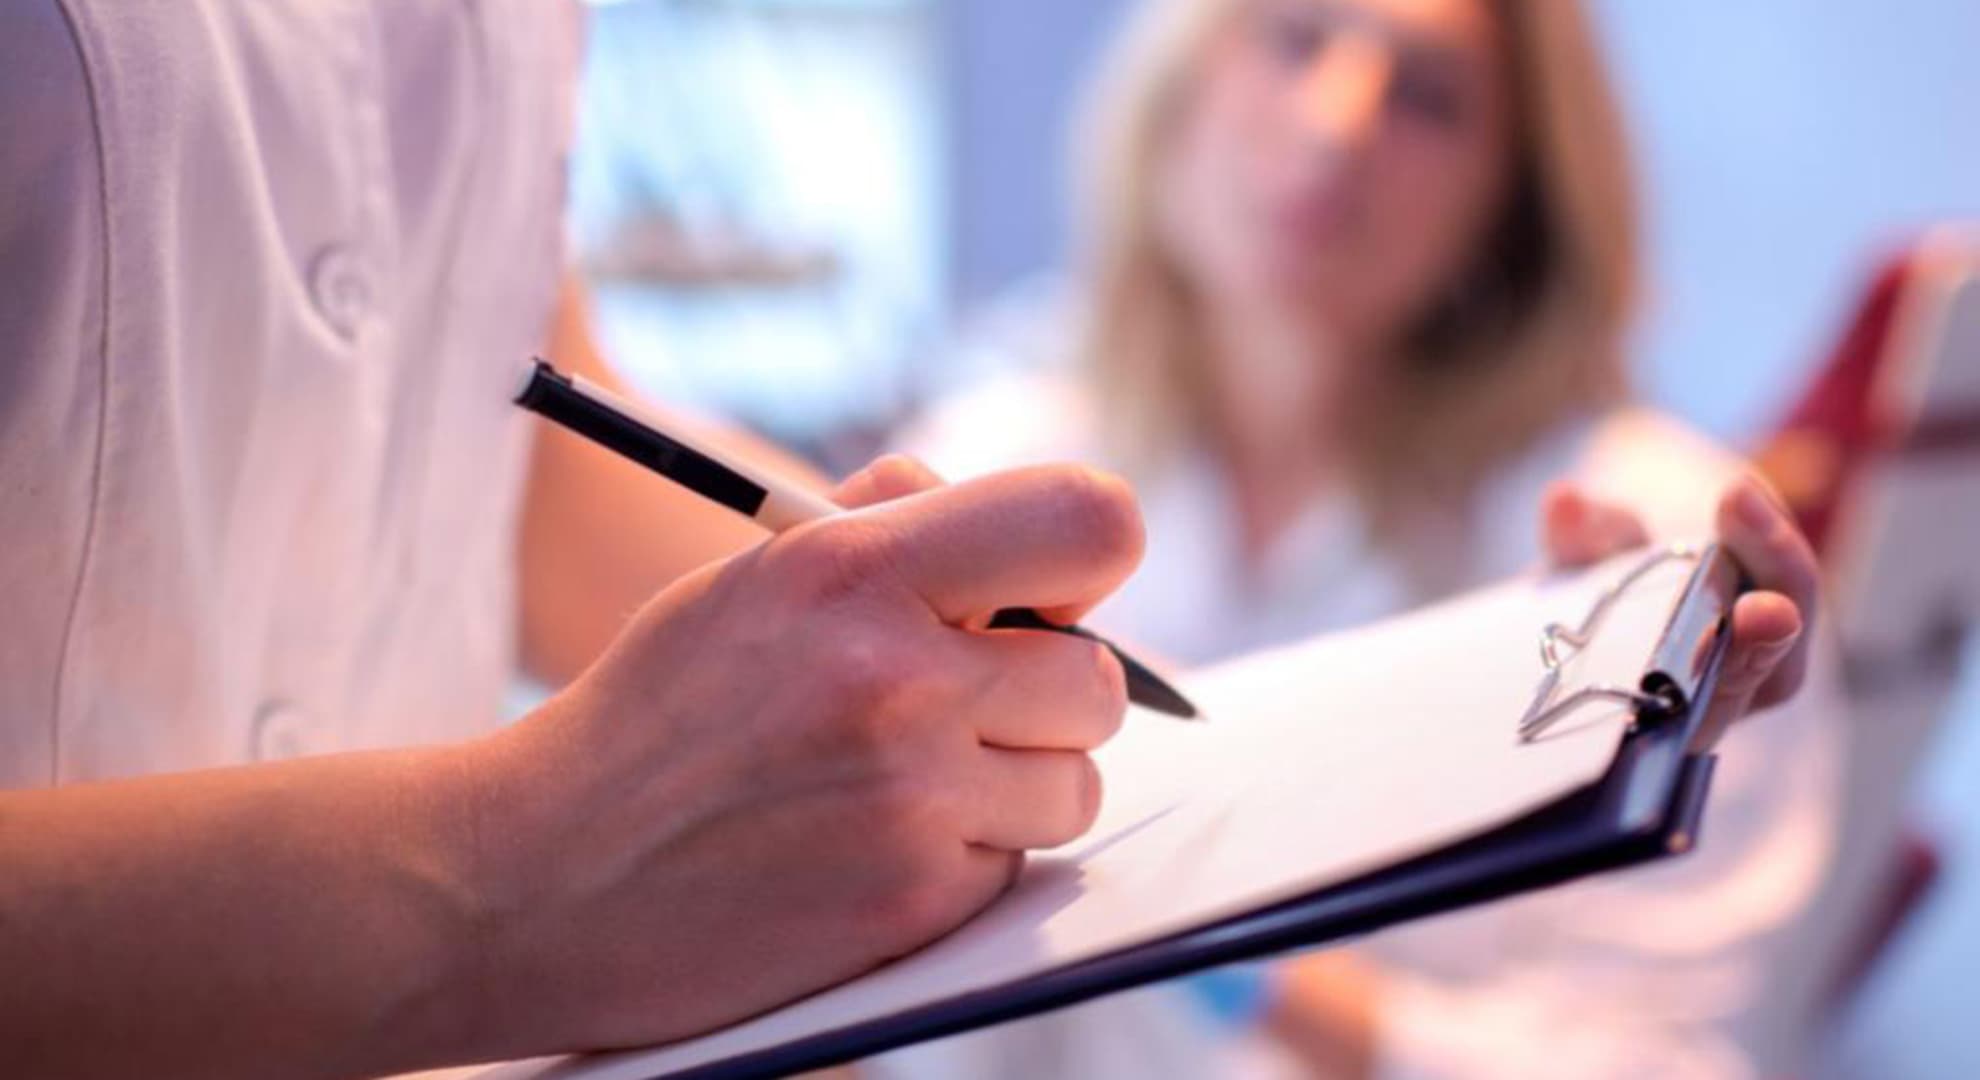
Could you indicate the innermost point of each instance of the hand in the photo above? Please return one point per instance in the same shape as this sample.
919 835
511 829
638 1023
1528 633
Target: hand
794 766
1768 656
1326 1009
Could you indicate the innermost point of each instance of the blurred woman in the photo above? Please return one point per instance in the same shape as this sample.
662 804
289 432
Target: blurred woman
1357 284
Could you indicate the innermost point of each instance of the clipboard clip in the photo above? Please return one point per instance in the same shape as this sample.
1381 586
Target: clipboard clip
1676 669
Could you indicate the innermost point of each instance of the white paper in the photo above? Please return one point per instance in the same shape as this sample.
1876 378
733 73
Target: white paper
1317 763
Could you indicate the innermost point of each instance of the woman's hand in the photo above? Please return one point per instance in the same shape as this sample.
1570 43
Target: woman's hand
1768 657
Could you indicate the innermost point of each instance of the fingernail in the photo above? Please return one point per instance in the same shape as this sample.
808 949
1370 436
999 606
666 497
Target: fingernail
1752 508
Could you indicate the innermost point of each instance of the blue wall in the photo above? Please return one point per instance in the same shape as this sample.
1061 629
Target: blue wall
1015 69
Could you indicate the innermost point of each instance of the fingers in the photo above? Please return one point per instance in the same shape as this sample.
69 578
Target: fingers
1057 538
1033 799
1577 530
1766 631
1050 700
1049 691
1768 655
889 477
1766 620
1765 541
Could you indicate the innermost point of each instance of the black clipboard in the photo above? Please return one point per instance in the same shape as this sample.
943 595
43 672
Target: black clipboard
1648 805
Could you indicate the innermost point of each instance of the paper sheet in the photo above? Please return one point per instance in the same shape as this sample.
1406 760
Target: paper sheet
1317 763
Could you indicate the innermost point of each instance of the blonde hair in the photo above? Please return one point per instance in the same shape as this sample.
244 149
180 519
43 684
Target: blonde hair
1531 335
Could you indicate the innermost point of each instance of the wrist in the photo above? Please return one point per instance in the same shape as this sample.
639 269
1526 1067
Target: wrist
503 814
451 1002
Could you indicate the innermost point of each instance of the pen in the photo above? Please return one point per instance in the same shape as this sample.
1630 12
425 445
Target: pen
633 432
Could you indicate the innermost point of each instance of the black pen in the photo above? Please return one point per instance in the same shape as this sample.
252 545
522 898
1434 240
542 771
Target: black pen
632 432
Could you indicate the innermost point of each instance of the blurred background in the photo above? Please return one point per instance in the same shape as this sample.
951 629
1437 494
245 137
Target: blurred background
792 211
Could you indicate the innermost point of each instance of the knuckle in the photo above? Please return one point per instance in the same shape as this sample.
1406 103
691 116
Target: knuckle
861 709
861 737
1066 801
1069 806
903 815
910 874
913 911
1110 692
1073 693
861 673
831 560
877 712
1088 792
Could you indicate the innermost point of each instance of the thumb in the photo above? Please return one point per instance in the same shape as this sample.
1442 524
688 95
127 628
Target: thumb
1765 628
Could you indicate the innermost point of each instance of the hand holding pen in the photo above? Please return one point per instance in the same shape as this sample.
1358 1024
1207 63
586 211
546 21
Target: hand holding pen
632 431
796 763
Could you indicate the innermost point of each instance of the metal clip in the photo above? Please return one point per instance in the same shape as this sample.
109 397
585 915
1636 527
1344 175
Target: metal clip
1559 643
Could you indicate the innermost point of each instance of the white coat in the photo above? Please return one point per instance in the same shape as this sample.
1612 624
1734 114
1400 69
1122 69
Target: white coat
269 272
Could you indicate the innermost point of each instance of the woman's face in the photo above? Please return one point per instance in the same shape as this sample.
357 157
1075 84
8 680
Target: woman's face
1339 160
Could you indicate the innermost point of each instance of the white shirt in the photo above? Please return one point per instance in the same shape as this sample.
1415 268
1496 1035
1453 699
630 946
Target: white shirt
1664 971
270 271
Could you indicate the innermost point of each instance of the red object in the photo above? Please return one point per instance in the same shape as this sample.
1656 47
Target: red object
1840 424
1826 441
1915 870
1830 433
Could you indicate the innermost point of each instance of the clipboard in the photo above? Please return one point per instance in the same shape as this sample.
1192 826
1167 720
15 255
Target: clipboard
1647 805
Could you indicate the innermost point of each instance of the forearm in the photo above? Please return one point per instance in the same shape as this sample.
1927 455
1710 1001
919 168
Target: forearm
601 535
315 918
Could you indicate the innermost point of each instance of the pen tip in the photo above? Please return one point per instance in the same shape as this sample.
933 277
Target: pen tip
1147 689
